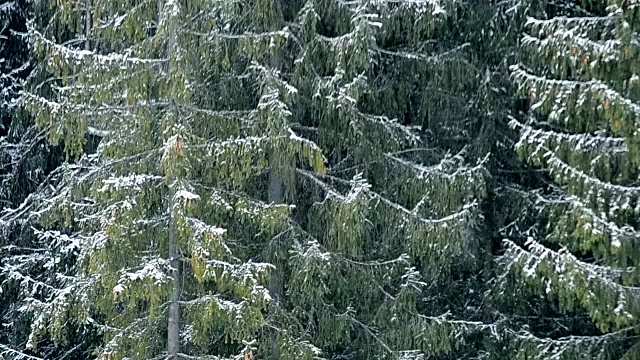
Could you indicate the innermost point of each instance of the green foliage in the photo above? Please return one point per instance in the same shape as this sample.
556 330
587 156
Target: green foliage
368 240
579 73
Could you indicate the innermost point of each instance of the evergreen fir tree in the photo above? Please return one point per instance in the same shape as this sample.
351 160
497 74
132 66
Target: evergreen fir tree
26 163
572 257
284 179
192 112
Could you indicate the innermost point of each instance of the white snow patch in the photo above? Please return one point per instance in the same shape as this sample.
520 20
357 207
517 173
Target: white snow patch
187 195
118 289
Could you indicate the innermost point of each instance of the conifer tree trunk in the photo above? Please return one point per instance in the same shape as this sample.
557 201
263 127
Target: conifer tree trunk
275 188
275 194
173 329
276 280
87 25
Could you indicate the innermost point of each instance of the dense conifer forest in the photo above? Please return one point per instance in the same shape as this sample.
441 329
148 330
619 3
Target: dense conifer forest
320 179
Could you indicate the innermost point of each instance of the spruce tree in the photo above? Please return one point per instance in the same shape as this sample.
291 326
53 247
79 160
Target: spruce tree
284 179
572 257
391 249
26 163
13 66
192 111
